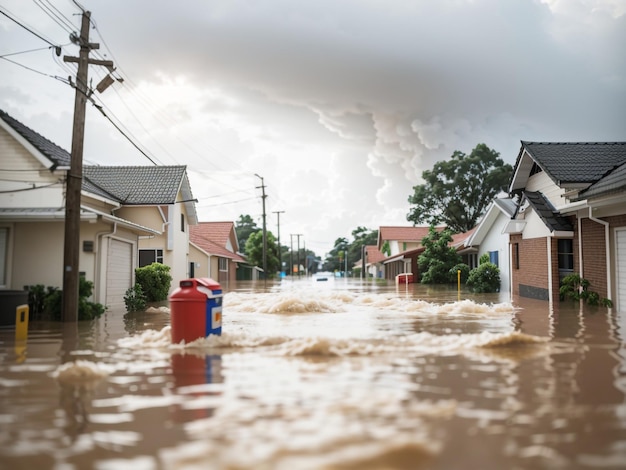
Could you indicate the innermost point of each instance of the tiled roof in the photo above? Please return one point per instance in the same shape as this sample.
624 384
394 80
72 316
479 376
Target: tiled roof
212 237
56 154
137 185
218 232
577 162
403 234
614 182
458 239
553 220
373 254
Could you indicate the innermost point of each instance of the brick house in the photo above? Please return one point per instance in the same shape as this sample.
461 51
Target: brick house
571 218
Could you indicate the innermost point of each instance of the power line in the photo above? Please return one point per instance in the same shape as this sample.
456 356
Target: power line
30 30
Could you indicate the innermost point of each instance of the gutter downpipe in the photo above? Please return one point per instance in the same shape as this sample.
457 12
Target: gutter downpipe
609 280
550 295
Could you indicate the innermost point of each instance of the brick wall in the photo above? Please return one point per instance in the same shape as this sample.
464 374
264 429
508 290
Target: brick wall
594 255
533 265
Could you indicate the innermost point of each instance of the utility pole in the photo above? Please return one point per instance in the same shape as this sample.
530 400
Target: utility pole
298 235
74 181
280 253
291 257
264 228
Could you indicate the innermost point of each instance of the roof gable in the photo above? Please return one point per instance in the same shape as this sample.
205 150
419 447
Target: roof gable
542 207
57 155
220 233
569 163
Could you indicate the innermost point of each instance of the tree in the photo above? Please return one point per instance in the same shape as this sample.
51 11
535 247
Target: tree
243 228
438 258
254 252
456 192
362 237
332 262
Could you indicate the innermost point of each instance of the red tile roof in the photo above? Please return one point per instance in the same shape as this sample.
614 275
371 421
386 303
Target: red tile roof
403 234
373 254
213 238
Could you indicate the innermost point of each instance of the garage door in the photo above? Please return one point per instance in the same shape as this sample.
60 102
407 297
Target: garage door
119 273
620 241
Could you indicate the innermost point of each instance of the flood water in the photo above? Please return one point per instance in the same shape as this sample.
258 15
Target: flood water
323 375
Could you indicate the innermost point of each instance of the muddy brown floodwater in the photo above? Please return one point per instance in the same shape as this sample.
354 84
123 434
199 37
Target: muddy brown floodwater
323 375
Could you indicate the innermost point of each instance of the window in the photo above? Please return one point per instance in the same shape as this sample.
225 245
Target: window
566 255
4 242
182 222
147 257
223 264
516 255
493 257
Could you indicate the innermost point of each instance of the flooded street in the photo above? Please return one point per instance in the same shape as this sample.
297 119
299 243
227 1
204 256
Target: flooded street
326 375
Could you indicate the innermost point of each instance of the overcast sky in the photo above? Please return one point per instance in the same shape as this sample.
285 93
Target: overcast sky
338 105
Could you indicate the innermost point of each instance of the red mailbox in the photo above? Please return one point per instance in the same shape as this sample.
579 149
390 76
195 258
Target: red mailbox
196 310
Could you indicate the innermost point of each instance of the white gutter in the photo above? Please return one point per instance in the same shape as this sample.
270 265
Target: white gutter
609 280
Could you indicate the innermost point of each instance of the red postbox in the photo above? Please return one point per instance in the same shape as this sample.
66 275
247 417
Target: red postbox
196 310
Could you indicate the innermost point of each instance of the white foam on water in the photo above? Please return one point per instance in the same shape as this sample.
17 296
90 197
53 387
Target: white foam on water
81 372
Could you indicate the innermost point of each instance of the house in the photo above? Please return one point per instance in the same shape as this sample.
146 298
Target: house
488 237
214 251
158 197
401 246
571 218
374 266
128 217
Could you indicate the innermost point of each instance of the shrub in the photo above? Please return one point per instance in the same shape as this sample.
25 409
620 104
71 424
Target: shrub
574 287
155 281
51 302
135 299
465 270
438 257
484 278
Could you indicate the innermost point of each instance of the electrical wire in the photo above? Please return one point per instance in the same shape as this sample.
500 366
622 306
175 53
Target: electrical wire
28 29
61 79
56 16
30 189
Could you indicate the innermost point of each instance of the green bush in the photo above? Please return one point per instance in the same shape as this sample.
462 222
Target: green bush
50 301
465 270
135 299
484 278
574 287
438 258
155 281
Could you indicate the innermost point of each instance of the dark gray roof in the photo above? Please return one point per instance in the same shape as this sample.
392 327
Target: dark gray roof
136 185
614 182
576 162
553 220
57 155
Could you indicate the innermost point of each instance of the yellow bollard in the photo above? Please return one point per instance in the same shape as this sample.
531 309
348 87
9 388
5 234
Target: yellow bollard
21 332
21 323
458 276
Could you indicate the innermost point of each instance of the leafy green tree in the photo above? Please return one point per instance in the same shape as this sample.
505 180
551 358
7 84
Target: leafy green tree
333 262
456 192
254 252
437 261
362 237
244 227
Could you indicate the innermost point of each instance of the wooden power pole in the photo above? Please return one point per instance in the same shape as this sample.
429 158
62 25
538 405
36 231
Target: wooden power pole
75 176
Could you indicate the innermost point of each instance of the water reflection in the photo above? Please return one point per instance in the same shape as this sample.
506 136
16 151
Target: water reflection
348 375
